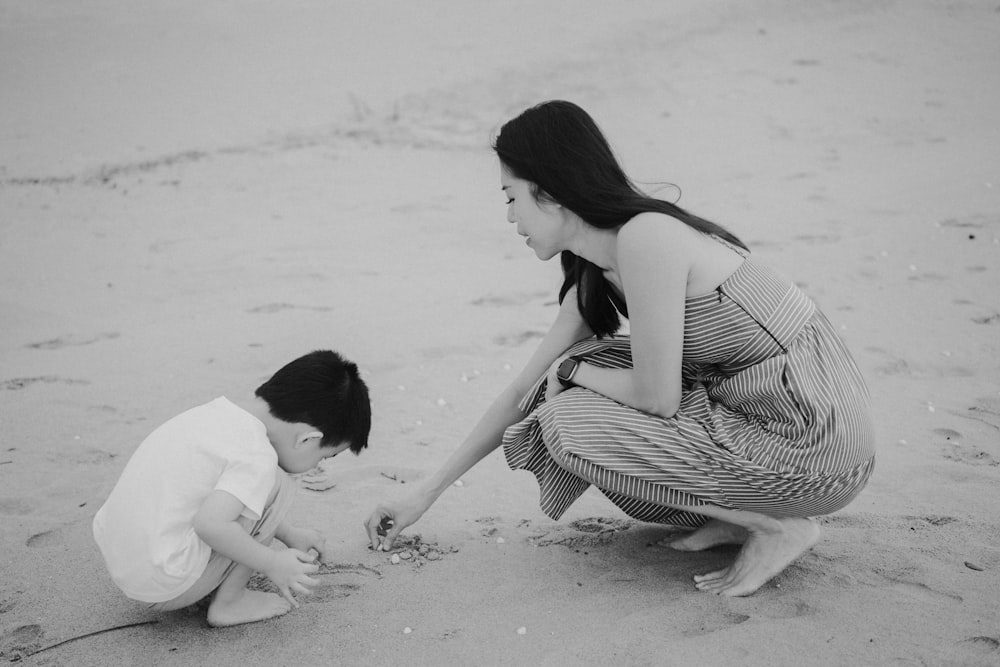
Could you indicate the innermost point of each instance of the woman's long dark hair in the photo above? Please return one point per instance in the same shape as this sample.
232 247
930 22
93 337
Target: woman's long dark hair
558 148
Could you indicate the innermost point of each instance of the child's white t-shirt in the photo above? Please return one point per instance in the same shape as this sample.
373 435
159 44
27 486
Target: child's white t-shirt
145 528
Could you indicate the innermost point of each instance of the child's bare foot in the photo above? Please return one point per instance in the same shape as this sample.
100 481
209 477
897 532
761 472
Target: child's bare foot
712 534
765 553
246 607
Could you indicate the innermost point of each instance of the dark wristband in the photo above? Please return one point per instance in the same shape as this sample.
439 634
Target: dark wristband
567 370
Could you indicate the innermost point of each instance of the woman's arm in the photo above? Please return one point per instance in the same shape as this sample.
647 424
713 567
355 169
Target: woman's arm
486 436
654 263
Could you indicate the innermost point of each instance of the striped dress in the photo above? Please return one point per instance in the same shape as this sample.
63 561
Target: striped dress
773 417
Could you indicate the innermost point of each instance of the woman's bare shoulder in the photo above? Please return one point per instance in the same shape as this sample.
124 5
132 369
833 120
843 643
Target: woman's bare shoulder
659 233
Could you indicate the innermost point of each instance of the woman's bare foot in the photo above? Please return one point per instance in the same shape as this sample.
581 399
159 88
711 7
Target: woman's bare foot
766 552
246 607
710 535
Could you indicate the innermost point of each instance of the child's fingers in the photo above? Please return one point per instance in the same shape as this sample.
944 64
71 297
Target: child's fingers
287 594
303 556
303 586
320 547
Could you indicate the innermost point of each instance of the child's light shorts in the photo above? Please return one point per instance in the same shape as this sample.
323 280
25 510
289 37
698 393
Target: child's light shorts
219 567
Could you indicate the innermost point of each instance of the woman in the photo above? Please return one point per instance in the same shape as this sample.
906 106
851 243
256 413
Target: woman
732 408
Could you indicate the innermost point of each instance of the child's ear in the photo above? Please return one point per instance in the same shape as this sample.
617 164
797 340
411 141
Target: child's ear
309 438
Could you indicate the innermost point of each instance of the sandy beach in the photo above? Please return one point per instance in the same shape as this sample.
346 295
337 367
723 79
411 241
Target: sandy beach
192 194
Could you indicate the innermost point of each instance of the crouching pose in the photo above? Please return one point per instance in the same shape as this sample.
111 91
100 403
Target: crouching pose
200 500
732 408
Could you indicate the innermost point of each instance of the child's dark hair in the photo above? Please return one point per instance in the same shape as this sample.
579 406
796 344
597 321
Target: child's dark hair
324 390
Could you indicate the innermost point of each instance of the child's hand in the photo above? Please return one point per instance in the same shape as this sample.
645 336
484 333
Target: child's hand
290 570
304 539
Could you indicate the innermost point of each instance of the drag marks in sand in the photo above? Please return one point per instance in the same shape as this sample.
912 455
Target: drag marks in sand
336 581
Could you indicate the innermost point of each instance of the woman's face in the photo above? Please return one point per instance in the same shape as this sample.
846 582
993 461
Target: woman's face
541 223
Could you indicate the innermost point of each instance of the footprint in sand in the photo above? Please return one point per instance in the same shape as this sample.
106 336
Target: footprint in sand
963 452
514 340
513 299
72 340
975 221
981 645
21 642
48 538
817 239
16 384
271 308
891 364
721 621
590 532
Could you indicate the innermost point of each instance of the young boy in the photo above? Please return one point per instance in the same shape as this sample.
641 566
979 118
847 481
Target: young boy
202 497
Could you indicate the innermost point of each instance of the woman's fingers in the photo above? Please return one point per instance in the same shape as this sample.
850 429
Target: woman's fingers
374 523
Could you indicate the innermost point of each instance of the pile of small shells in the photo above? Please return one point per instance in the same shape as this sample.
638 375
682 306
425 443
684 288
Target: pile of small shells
413 549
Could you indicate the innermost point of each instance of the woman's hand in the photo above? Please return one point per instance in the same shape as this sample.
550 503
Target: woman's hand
553 387
389 519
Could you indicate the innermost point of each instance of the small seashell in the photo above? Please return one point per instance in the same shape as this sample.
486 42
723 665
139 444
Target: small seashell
407 630
500 540
522 630
406 555
394 559
973 566
459 482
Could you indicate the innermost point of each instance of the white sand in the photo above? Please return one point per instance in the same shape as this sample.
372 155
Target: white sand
190 197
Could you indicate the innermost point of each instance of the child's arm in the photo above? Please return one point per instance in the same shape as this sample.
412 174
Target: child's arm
216 524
